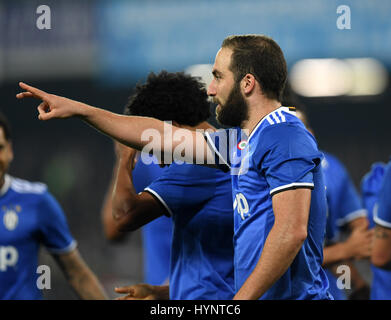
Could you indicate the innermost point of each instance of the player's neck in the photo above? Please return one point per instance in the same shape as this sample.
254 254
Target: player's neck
257 111
2 181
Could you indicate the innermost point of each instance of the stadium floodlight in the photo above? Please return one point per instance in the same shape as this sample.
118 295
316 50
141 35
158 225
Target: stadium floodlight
336 77
370 76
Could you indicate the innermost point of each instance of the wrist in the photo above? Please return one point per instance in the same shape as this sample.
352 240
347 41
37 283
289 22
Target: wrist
347 251
84 111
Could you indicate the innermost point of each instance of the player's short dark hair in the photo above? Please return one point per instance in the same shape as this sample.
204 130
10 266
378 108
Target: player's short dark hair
6 126
260 56
170 96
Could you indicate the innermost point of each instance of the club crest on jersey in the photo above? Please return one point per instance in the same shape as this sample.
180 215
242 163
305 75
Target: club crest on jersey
242 144
10 218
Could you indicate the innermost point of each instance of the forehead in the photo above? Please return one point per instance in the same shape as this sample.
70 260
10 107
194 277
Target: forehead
223 59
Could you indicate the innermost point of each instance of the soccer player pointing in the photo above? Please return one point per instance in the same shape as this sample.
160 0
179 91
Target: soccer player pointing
279 200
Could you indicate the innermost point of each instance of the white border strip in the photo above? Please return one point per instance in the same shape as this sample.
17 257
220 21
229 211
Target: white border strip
160 199
67 249
294 184
352 216
215 150
381 222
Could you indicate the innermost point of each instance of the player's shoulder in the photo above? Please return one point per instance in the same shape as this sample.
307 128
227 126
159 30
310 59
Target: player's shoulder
279 128
280 123
372 180
23 186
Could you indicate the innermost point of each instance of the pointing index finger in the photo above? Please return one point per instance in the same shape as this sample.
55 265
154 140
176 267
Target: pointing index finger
36 92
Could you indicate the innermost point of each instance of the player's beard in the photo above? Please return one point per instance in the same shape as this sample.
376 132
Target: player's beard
235 111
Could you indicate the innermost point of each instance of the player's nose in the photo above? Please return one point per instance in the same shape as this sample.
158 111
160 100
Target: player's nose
212 89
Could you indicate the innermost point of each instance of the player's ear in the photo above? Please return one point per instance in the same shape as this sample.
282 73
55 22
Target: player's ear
248 83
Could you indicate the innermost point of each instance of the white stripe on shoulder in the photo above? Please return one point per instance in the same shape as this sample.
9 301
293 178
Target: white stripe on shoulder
160 199
283 119
269 120
273 115
24 186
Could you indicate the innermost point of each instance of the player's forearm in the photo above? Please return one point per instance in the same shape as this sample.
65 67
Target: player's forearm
125 129
109 225
87 286
80 276
336 253
281 247
124 196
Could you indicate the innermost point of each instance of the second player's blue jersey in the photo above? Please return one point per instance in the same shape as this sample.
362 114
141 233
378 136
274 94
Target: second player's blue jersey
344 203
157 233
344 206
280 154
29 217
200 203
377 187
370 188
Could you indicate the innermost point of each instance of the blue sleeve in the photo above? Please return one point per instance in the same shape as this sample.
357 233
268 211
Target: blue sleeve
287 156
179 191
383 215
53 226
370 187
345 205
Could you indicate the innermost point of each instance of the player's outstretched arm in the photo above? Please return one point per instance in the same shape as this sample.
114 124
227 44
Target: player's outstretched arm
291 211
144 291
80 277
133 131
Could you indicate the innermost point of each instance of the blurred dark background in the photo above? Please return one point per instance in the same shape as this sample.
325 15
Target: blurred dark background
96 51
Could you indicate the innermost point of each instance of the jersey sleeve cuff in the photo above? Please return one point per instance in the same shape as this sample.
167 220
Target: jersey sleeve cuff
157 196
292 186
381 222
67 249
352 216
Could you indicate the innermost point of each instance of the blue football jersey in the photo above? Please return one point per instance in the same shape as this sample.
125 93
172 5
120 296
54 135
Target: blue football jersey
29 217
370 188
381 285
156 234
344 206
200 203
371 185
280 154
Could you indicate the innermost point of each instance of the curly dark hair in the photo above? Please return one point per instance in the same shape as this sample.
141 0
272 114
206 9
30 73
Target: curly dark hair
170 96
